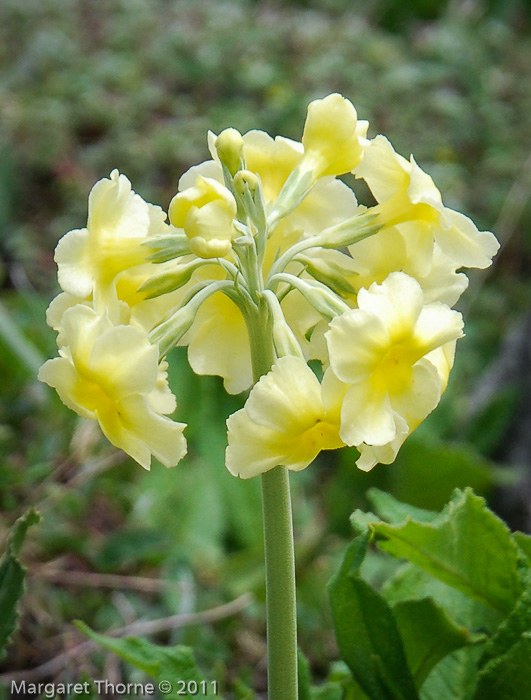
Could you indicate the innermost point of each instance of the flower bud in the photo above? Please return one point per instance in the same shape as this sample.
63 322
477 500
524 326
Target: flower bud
168 334
167 246
206 212
350 231
246 181
229 145
331 137
248 188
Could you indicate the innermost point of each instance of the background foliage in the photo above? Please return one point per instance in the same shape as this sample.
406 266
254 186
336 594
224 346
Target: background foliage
135 84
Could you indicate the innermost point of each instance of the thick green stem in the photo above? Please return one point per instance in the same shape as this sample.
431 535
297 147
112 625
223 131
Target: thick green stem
280 586
278 543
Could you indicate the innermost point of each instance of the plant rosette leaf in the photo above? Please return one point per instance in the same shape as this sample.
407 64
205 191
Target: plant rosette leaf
174 666
367 633
466 571
467 547
507 677
12 576
524 543
505 664
429 635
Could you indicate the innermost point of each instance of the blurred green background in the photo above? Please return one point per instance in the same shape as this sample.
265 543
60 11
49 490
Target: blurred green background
88 86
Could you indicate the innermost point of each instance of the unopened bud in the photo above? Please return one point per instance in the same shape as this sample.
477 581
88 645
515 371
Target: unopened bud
248 189
206 212
229 145
167 246
294 190
244 181
348 232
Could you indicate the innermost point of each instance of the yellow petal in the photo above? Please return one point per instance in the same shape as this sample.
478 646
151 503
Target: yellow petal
283 422
140 432
357 340
330 138
75 272
218 343
287 399
124 361
367 415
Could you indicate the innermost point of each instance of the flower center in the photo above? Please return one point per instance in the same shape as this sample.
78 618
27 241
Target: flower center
393 373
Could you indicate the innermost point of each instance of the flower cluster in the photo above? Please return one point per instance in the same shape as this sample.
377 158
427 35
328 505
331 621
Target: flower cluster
267 262
108 369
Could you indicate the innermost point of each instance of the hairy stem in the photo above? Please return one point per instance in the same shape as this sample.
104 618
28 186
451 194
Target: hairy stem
278 541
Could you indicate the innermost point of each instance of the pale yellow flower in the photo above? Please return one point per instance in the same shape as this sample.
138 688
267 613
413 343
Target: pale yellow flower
407 196
206 212
397 248
218 343
119 222
212 349
111 374
130 306
394 353
371 455
329 202
287 420
332 137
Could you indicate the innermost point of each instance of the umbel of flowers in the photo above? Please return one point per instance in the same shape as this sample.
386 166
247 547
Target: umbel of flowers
268 261
264 262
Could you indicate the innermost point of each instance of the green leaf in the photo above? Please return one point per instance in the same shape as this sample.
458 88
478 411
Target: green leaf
361 521
366 632
524 543
304 676
12 575
428 635
466 546
394 511
454 678
508 677
175 665
411 583
510 632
